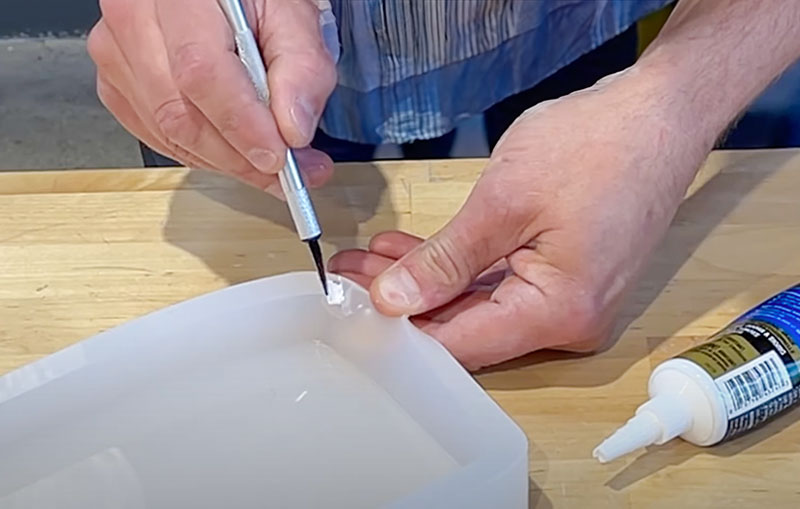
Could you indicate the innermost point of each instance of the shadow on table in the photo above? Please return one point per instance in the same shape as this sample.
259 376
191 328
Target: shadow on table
213 239
537 499
538 465
704 211
677 452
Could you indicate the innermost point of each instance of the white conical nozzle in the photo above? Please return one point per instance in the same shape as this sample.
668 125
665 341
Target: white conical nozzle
661 419
642 430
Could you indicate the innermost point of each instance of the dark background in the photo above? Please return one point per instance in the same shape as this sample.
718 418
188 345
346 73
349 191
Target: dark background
47 17
771 121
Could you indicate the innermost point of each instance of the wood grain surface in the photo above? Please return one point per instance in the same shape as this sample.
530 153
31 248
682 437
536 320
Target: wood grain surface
83 251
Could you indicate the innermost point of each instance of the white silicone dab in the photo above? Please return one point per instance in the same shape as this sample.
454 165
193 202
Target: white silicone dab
335 295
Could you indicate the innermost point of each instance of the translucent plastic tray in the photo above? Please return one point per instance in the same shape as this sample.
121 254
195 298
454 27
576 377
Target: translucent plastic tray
259 395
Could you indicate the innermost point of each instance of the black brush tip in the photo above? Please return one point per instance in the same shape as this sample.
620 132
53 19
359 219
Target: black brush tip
316 253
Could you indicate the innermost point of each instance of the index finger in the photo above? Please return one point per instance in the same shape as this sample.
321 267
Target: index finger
207 70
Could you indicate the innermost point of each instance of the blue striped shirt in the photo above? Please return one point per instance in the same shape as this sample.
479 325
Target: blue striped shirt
411 69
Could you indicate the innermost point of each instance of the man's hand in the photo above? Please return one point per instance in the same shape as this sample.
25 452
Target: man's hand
574 199
580 191
168 71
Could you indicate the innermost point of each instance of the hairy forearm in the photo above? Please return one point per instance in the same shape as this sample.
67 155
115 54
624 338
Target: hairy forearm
714 57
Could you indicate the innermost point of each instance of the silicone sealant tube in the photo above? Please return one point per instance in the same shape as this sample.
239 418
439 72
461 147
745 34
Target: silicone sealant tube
742 377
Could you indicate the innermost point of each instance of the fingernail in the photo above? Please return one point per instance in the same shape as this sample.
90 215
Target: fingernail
303 118
399 289
264 160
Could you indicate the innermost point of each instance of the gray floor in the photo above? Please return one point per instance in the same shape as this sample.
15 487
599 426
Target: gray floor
50 116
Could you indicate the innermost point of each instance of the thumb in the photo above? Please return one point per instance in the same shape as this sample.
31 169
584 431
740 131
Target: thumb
441 268
301 71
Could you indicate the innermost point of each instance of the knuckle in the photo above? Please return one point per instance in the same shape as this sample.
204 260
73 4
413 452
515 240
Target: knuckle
493 194
231 122
175 123
191 68
96 45
99 46
439 260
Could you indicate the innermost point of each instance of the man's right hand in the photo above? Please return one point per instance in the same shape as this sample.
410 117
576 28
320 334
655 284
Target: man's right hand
168 71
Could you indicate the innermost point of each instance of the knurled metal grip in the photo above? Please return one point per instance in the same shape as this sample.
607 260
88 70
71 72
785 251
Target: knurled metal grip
297 197
301 209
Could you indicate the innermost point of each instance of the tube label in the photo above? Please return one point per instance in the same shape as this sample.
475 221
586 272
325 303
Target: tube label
755 362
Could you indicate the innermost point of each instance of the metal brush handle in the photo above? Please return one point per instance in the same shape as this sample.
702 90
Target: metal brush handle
297 197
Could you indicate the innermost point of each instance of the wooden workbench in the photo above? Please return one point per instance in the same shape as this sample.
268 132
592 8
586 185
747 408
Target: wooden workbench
83 251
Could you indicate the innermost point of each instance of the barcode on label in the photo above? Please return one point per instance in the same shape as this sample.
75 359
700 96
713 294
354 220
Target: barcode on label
751 384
